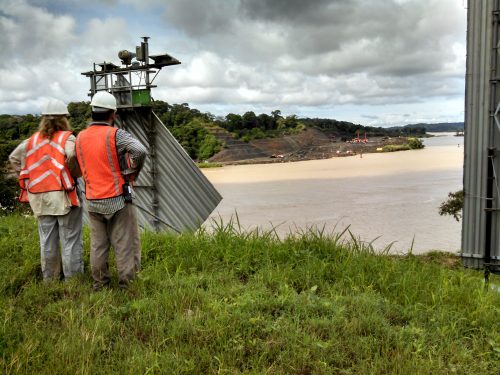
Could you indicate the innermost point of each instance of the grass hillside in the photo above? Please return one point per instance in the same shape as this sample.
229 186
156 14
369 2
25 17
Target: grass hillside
228 302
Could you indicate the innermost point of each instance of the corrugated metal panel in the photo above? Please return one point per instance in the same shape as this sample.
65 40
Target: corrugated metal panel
170 186
185 198
481 134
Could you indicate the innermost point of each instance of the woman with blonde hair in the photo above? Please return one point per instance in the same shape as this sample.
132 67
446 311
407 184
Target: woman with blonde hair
47 168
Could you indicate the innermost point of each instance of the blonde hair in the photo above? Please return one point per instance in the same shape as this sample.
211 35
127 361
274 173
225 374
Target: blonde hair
53 123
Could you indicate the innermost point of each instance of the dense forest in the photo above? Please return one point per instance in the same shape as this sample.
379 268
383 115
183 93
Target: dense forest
346 130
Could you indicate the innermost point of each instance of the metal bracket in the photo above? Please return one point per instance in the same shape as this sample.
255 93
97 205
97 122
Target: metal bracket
496 116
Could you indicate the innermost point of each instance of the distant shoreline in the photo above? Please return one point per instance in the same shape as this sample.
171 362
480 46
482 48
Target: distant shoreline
312 146
369 164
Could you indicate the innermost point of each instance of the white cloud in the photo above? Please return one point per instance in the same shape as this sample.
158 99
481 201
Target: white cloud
46 56
103 39
32 35
321 56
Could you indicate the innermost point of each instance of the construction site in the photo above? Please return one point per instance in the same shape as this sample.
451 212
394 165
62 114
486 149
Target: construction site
310 144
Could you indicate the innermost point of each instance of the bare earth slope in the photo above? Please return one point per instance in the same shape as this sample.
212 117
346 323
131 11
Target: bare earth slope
307 145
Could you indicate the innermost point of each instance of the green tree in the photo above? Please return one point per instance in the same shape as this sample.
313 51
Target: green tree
415 143
181 114
289 122
28 126
208 147
233 122
249 120
188 126
257 133
80 115
196 140
6 147
453 205
9 187
8 193
266 122
9 127
276 114
161 108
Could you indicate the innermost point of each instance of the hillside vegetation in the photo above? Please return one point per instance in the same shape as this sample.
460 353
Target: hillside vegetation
437 128
229 302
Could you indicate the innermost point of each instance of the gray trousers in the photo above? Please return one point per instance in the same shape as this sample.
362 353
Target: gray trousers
119 230
68 230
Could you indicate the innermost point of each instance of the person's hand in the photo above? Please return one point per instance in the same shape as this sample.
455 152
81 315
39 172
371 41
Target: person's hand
129 174
131 177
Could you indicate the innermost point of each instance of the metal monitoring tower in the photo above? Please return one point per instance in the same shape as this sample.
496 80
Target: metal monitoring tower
171 186
131 84
481 213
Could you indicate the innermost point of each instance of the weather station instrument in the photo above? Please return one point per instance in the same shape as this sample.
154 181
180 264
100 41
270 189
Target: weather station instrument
171 191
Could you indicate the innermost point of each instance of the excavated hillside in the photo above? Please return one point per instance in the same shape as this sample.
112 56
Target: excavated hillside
307 145
234 149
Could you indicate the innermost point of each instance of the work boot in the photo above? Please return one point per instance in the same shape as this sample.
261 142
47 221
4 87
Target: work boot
99 286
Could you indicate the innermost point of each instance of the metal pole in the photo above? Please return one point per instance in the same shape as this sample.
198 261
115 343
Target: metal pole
156 217
489 205
491 150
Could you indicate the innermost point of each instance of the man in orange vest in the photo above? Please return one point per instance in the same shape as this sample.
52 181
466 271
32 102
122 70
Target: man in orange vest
108 158
47 170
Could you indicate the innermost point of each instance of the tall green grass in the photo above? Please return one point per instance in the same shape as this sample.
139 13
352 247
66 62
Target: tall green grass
229 302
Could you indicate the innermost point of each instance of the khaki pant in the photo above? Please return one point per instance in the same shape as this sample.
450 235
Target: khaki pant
120 231
68 230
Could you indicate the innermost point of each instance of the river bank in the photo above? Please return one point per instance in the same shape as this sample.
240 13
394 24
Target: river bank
310 144
388 197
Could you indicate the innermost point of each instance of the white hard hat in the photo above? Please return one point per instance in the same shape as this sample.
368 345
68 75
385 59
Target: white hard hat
55 107
103 101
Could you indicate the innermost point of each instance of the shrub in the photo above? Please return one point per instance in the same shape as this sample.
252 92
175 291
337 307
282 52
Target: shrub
208 147
9 191
415 143
453 205
393 148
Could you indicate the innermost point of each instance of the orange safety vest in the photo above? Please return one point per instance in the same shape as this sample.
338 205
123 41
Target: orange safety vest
45 167
99 163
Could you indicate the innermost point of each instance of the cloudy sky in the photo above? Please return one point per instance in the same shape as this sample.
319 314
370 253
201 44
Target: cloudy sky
373 62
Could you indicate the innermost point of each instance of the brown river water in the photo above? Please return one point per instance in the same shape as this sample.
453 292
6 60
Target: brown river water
385 198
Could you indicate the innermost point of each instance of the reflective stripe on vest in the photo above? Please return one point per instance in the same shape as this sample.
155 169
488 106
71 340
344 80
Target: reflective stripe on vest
98 160
45 166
